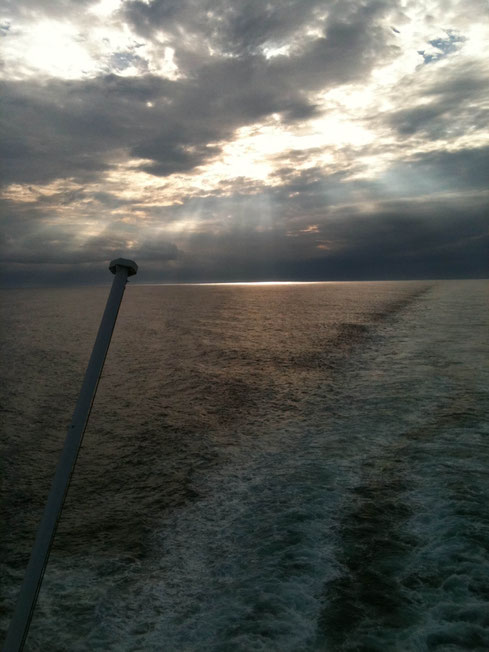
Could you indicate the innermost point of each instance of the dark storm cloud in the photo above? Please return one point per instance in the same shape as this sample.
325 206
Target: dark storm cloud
413 239
407 229
463 170
38 241
309 224
453 104
424 175
398 239
80 128
33 235
268 236
116 239
242 28
311 189
350 42
58 130
303 228
233 27
306 229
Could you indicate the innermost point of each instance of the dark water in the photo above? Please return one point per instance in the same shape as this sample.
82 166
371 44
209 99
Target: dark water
296 467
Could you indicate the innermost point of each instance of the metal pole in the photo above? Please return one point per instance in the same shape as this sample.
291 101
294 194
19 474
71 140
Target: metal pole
29 591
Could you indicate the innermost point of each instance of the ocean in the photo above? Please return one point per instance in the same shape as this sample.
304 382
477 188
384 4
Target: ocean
296 467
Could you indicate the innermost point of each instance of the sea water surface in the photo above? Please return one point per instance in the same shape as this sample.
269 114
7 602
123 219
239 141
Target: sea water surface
276 468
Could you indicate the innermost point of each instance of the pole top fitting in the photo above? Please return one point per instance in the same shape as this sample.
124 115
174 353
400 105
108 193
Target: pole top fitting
132 268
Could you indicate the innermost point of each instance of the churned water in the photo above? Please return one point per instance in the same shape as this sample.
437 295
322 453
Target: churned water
278 468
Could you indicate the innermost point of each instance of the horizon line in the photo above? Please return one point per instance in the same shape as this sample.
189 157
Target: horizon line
251 283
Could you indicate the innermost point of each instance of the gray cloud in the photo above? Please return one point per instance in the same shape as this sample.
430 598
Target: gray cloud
43 243
264 237
79 128
60 129
454 104
425 214
232 27
36 8
464 169
398 239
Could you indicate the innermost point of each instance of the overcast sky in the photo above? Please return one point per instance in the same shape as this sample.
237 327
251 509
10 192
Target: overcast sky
234 140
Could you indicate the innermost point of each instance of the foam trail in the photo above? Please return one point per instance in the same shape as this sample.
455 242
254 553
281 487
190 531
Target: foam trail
332 542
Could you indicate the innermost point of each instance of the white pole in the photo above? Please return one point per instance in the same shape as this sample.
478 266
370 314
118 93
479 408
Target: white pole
29 591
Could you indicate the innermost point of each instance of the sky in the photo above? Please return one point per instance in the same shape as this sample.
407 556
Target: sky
244 140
